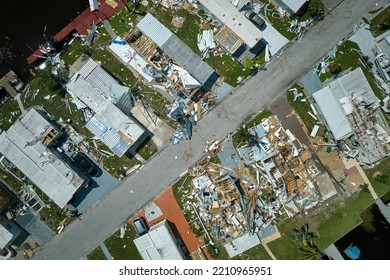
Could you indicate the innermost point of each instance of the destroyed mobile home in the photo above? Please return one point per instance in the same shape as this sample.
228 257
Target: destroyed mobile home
272 176
349 108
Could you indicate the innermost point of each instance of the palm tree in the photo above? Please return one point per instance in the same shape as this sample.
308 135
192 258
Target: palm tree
243 136
306 242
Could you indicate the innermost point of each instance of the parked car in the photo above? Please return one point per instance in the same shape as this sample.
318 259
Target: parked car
255 19
141 226
7 253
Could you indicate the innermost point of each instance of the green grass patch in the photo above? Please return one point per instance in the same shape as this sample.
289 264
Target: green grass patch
97 254
122 21
73 52
329 223
348 57
147 149
386 198
256 253
6 119
257 120
380 24
123 248
190 29
280 24
228 67
109 62
103 37
379 177
302 109
180 187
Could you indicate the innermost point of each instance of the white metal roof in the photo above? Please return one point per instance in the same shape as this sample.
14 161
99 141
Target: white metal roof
293 5
155 29
93 5
225 11
55 178
235 20
129 56
94 74
107 112
176 48
333 113
5 237
354 85
158 244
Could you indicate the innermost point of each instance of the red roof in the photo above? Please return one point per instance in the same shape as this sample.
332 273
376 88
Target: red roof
82 23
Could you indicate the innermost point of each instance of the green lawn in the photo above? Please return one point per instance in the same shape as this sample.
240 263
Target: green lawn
228 67
147 149
386 198
330 223
280 24
381 187
188 32
121 22
109 62
73 52
180 187
302 109
258 118
103 37
6 119
123 248
376 22
97 254
255 253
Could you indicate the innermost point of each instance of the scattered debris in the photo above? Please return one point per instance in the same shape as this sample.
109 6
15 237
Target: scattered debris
177 22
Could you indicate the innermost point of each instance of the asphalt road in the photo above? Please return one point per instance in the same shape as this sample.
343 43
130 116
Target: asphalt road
84 235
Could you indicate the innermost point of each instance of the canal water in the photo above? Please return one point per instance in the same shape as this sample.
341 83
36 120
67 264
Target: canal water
25 24
372 245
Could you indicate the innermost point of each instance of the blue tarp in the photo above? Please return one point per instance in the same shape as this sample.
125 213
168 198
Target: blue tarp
352 252
118 42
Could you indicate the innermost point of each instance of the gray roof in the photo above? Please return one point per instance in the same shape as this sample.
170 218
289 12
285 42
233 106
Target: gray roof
175 48
94 74
38 230
109 136
334 101
354 85
155 30
5 237
22 145
333 113
293 5
186 58
107 113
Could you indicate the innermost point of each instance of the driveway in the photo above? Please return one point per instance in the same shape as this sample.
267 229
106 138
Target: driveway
81 237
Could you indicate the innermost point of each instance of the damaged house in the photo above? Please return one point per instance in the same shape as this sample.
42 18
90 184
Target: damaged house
348 107
107 108
185 71
239 36
29 144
